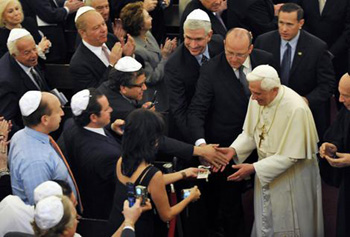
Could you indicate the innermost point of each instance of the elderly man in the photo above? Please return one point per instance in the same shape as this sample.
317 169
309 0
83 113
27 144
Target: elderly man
211 7
303 62
216 116
338 140
287 191
34 156
19 74
182 68
93 59
92 151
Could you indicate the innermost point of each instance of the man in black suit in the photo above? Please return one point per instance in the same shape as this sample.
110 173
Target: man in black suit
124 89
257 16
216 116
182 69
93 59
332 25
304 64
19 74
210 7
51 16
92 151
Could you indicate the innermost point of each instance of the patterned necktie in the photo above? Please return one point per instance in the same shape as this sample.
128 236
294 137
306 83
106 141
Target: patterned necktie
105 52
204 59
59 152
321 4
243 80
221 21
285 66
37 79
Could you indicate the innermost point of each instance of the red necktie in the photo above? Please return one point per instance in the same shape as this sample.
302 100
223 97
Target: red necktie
58 150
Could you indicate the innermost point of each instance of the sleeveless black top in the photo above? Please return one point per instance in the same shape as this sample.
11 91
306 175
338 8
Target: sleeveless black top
145 225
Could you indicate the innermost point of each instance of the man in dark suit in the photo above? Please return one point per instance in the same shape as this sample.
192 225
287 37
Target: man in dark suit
304 64
331 23
210 7
257 16
216 116
93 60
182 69
19 74
51 16
124 89
92 151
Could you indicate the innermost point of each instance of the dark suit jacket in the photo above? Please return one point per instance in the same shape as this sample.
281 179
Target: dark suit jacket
86 69
216 25
311 74
256 16
122 107
50 13
92 158
332 26
14 82
181 75
219 106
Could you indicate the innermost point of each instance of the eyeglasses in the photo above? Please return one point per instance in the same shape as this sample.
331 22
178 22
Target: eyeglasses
140 85
238 55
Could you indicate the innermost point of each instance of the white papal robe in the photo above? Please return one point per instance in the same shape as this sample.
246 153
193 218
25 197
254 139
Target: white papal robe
287 192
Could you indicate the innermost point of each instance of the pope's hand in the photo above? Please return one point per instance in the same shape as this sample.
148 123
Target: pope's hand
244 170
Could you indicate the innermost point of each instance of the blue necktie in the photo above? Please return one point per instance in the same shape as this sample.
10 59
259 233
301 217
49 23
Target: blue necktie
285 66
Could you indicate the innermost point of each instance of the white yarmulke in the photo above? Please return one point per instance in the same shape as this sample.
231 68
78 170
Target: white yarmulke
29 102
198 14
46 189
128 64
263 71
48 212
17 33
82 10
80 102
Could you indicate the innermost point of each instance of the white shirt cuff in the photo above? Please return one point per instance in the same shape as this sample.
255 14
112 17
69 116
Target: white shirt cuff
200 141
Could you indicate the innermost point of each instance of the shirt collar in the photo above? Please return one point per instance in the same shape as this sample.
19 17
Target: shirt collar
25 68
96 50
293 42
37 135
206 53
246 64
100 131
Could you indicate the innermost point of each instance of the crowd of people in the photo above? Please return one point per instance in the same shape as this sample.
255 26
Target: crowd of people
244 92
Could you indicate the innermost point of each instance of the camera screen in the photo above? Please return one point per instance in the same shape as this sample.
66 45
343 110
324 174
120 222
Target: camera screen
138 191
186 193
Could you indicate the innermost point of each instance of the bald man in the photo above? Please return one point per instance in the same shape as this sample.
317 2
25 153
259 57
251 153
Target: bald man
216 115
335 167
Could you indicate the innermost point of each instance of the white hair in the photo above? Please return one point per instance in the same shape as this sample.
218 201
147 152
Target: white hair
193 24
12 45
267 75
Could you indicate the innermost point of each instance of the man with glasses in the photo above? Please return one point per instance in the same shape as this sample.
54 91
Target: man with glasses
182 68
216 116
303 62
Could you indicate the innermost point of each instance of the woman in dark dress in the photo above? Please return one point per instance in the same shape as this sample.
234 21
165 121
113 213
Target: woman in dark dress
11 16
139 146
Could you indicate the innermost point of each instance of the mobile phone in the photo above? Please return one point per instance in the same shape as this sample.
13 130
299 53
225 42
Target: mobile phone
185 193
130 189
141 191
154 96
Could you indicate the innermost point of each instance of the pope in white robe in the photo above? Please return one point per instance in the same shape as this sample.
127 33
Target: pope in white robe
287 192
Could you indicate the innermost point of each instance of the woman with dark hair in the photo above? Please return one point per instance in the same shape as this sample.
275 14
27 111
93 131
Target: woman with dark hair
137 22
139 147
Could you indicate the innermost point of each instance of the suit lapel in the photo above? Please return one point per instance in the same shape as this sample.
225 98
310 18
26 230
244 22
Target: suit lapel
300 51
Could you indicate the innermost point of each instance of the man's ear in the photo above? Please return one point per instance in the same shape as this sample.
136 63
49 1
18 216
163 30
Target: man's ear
93 118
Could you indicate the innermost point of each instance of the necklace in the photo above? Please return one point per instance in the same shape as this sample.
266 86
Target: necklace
265 131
